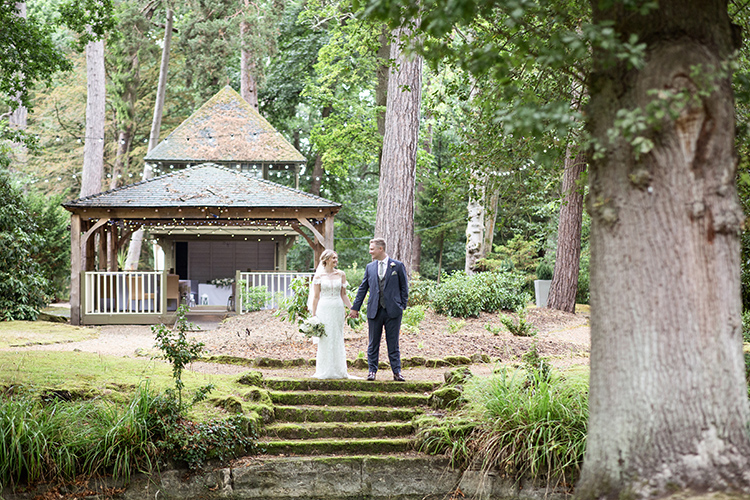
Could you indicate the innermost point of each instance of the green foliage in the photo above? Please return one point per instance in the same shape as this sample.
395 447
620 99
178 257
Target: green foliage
53 252
51 439
196 443
420 290
459 295
533 424
22 281
521 328
544 271
294 308
177 349
455 325
27 54
412 317
517 254
746 326
254 298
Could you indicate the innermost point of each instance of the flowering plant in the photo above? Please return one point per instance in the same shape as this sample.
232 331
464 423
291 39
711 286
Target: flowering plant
222 282
312 327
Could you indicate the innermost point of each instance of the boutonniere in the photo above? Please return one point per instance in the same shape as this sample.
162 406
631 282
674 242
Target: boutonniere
393 264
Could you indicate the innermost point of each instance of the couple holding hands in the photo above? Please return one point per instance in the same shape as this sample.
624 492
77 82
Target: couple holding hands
385 279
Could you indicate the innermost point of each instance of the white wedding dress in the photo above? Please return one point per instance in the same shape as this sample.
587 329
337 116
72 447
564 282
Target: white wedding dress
331 359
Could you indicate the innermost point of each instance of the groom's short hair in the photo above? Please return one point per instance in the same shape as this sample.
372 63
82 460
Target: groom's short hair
378 242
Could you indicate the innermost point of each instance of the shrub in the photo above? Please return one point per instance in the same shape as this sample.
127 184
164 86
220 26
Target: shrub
522 328
533 424
544 271
22 280
254 298
420 290
294 308
455 296
412 317
460 295
746 326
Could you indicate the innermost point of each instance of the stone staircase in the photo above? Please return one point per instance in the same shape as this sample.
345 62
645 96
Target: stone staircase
342 417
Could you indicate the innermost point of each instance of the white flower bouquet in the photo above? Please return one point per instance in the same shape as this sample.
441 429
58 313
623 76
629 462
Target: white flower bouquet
312 327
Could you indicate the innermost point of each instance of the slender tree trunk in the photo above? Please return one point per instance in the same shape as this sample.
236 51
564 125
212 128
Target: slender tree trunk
124 138
395 212
93 148
18 118
564 286
668 400
136 240
248 83
381 91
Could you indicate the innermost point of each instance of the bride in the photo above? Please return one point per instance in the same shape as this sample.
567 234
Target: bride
330 303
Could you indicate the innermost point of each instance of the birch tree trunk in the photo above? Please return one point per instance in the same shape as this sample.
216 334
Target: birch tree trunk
564 286
474 229
395 212
668 400
93 148
136 240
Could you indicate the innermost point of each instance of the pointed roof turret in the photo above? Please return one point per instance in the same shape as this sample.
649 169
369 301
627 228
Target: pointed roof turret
226 129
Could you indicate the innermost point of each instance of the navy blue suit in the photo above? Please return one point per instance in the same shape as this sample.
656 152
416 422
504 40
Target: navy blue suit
396 296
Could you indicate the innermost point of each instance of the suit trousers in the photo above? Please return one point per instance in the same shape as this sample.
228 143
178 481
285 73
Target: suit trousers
392 328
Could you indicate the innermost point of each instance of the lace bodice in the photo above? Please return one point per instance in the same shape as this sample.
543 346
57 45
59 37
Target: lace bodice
330 287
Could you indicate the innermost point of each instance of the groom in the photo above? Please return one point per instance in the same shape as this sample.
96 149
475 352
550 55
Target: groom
385 278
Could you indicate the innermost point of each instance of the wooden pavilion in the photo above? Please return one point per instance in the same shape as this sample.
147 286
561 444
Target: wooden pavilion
213 212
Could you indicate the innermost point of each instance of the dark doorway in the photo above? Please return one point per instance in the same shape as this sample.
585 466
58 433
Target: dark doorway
181 259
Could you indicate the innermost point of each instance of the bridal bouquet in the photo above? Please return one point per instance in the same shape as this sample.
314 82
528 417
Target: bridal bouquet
312 327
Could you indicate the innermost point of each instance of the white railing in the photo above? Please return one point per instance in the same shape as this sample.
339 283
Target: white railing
277 283
133 292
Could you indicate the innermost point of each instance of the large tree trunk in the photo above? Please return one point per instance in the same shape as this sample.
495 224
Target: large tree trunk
395 213
474 229
93 148
668 400
136 240
564 286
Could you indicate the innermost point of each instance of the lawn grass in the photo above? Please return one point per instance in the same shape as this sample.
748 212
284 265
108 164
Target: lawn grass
88 376
23 333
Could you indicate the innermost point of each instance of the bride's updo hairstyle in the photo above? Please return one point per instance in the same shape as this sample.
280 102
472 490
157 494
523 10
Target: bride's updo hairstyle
326 255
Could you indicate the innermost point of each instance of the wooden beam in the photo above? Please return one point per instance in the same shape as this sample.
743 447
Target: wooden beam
102 249
328 232
75 269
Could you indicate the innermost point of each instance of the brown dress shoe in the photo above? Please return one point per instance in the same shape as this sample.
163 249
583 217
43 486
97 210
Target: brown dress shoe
371 376
398 377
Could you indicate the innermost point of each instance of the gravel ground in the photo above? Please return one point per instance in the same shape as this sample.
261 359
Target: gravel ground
562 337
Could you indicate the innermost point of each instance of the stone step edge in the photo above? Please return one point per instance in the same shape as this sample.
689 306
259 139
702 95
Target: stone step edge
338 430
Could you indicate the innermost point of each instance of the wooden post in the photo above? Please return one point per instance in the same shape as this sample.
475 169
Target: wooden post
112 248
75 269
102 249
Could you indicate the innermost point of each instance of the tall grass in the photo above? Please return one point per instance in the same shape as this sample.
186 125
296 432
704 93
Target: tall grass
58 439
533 426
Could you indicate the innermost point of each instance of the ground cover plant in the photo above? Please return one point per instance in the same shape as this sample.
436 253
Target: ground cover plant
527 422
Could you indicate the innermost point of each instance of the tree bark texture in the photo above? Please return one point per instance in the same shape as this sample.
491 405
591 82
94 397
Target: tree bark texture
248 80
564 286
474 231
93 148
395 212
668 400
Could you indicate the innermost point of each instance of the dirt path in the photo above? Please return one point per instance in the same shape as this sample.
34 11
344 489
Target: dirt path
562 337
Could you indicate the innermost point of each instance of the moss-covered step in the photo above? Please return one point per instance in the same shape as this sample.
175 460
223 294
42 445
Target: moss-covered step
307 413
332 446
336 398
349 430
350 385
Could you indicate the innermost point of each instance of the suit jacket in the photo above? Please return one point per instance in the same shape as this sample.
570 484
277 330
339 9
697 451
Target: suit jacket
395 289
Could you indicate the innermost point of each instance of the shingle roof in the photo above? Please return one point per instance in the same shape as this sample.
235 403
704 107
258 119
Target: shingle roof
226 128
207 185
